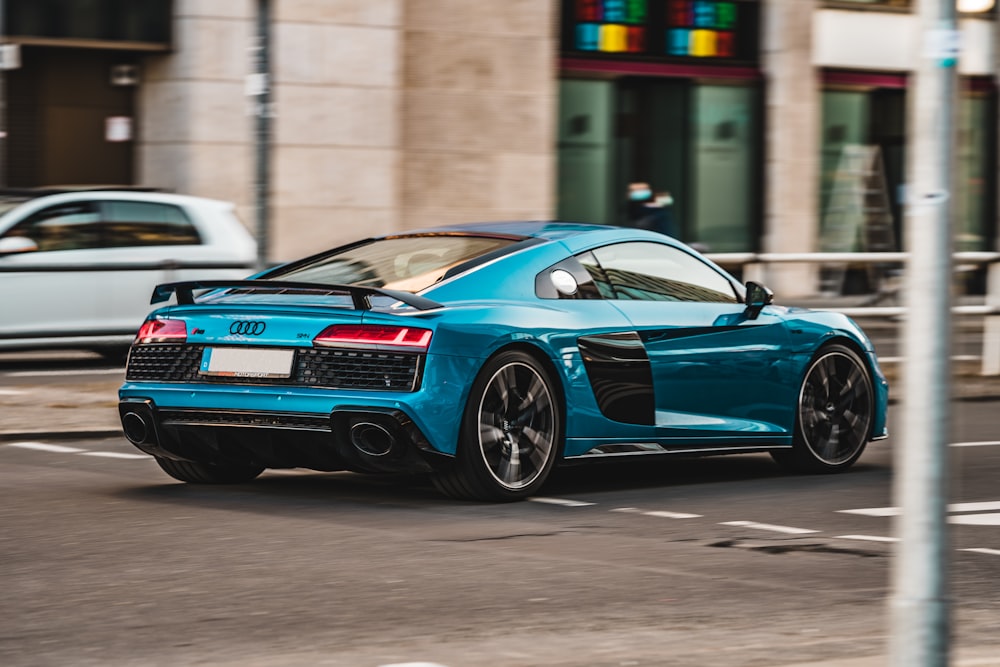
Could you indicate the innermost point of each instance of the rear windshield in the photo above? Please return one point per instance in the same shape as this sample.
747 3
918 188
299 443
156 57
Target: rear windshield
410 263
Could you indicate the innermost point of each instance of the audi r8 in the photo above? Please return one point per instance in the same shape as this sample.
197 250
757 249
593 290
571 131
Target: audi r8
485 354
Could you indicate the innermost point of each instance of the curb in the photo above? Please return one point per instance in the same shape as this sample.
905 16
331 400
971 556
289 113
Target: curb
61 435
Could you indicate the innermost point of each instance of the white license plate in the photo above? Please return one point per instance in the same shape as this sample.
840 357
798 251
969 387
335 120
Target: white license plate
245 362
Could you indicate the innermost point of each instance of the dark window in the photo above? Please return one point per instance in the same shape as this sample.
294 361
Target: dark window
62 227
554 283
643 271
130 223
671 30
410 263
103 20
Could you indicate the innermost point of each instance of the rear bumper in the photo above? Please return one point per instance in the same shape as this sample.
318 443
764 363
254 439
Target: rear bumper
359 438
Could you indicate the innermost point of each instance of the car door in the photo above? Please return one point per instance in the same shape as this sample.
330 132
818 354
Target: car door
144 242
717 372
49 288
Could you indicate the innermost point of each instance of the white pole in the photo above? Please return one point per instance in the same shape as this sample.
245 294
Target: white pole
919 606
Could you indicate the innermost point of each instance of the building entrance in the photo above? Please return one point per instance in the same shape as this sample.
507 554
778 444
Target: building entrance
69 121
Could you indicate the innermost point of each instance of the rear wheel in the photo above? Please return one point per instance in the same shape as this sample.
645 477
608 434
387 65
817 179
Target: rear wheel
204 473
510 434
834 416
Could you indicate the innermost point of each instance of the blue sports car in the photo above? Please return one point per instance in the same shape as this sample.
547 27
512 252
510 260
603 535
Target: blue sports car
485 354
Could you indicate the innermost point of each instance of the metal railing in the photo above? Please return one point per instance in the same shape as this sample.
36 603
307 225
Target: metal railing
753 267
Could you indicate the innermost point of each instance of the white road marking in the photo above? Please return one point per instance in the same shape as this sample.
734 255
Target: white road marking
663 514
987 506
771 527
672 515
10 392
975 519
984 443
868 538
115 455
990 552
561 501
874 511
77 371
46 447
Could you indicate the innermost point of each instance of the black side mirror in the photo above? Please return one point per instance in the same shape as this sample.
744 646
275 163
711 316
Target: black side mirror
757 297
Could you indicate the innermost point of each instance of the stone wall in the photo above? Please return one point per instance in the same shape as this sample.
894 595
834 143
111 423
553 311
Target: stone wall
390 114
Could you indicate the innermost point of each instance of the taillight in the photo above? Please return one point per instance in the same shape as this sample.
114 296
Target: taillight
161 331
375 336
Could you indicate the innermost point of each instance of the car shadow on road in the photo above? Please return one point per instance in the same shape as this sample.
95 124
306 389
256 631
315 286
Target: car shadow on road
298 492
672 471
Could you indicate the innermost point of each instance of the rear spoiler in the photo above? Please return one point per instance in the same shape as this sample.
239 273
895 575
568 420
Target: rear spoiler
359 295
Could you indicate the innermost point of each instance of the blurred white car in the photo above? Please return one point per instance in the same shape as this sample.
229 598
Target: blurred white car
77 269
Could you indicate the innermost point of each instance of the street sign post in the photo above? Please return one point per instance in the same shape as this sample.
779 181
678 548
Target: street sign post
919 606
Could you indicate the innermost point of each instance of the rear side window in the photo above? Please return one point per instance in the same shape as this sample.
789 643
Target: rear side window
129 223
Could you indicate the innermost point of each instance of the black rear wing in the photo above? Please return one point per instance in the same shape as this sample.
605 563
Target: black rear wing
360 296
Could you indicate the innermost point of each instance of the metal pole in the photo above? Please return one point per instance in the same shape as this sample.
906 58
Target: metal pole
262 113
919 608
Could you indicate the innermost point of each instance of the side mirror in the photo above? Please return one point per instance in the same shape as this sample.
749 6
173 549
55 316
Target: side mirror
15 244
757 297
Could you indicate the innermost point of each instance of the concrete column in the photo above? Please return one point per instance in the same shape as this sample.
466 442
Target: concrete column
479 110
792 112
194 136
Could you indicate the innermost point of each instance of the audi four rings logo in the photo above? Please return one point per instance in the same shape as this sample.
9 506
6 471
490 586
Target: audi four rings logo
247 328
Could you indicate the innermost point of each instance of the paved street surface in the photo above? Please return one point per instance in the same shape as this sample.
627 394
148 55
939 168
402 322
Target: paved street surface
710 562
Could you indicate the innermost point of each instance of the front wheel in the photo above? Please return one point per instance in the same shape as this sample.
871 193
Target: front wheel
205 473
834 415
510 434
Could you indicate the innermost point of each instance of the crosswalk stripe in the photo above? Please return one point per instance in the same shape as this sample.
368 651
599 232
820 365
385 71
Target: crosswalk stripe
47 447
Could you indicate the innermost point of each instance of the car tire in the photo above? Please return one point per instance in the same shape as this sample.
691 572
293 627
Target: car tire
204 473
510 435
834 413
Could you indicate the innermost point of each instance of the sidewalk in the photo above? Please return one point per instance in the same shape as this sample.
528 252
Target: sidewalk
67 409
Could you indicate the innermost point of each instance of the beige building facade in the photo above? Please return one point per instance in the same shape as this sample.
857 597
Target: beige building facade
396 114
387 114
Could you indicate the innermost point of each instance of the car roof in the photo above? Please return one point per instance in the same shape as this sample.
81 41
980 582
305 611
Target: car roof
43 196
551 230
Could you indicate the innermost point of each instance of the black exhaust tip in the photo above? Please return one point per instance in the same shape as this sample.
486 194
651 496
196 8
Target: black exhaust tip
372 439
136 429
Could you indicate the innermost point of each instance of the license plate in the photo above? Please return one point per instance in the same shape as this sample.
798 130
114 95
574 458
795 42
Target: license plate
244 362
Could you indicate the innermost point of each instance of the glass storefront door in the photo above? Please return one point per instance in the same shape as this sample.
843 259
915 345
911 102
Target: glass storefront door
699 142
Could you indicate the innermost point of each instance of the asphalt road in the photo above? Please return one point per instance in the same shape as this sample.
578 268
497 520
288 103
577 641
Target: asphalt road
104 560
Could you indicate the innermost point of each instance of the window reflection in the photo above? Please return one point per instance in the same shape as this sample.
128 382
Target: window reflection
655 272
404 263
91 225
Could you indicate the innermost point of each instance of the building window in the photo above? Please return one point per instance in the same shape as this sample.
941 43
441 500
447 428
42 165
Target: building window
901 4
665 30
696 143
146 22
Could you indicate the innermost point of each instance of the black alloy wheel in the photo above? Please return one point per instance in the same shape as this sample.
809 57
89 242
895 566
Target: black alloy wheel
510 435
834 415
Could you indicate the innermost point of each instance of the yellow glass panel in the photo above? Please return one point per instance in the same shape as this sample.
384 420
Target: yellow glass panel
614 38
702 43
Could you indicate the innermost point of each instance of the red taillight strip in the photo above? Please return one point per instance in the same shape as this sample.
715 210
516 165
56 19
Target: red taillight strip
374 336
161 331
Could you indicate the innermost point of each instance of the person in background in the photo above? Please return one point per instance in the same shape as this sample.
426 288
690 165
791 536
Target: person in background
638 196
646 211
